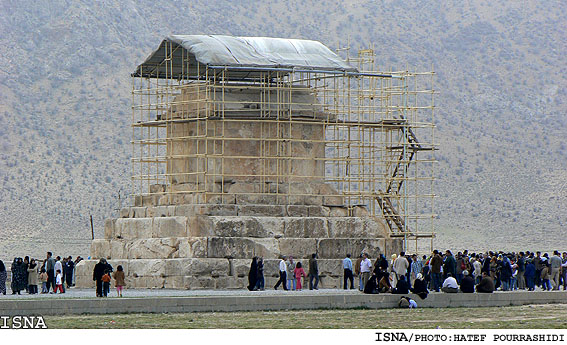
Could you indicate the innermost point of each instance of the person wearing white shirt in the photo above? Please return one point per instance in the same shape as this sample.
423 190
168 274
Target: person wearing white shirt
58 266
365 268
450 284
283 274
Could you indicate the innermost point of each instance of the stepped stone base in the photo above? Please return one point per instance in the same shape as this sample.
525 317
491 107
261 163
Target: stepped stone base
202 246
195 274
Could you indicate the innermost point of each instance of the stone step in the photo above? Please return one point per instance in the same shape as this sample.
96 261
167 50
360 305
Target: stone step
244 226
234 247
203 273
241 210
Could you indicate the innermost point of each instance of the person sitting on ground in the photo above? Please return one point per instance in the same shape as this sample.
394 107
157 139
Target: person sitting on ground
467 283
402 287
450 284
406 302
371 286
420 287
486 284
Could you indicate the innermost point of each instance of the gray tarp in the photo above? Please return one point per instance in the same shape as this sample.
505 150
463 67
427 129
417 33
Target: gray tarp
242 52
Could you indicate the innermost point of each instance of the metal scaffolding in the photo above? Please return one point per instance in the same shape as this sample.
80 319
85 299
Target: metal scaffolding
226 134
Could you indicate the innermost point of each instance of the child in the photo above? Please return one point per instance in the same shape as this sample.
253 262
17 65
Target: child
119 279
59 282
106 283
43 277
545 283
298 272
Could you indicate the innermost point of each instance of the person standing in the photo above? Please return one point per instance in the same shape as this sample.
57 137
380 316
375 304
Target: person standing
357 272
32 277
449 265
69 269
401 265
347 267
98 272
119 280
365 268
538 263
521 269
19 272
436 263
49 266
289 274
26 266
555 263
299 274
313 272
564 271
3 277
283 269
252 274
260 278
59 267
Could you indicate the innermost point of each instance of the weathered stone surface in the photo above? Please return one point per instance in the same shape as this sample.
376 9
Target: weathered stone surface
262 210
339 247
152 282
222 283
331 196
248 226
306 227
158 211
109 228
217 210
153 248
297 211
360 211
221 247
193 247
125 212
100 249
200 226
198 283
170 227
174 282
131 229
138 212
354 227
147 267
118 249
338 212
297 247
319 211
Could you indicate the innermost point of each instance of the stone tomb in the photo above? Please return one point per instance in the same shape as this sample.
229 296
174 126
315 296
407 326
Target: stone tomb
201 230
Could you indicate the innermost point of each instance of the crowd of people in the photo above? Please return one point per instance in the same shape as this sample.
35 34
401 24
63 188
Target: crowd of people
103 273
291 274
55 274
466 272
441 271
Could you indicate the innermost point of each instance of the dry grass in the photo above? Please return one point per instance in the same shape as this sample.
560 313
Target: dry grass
531 316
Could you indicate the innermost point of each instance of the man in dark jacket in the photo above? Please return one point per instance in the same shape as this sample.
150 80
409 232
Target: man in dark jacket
486 284
313 272
49 268
68 268
467 283
449 265
436 263
98 272
402 287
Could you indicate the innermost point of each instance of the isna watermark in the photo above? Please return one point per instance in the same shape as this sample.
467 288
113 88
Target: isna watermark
22 322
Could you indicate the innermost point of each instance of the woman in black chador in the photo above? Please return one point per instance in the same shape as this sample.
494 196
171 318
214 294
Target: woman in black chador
19 273
253 274
3 276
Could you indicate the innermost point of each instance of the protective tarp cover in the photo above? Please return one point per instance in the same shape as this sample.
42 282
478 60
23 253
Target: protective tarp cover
241 52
